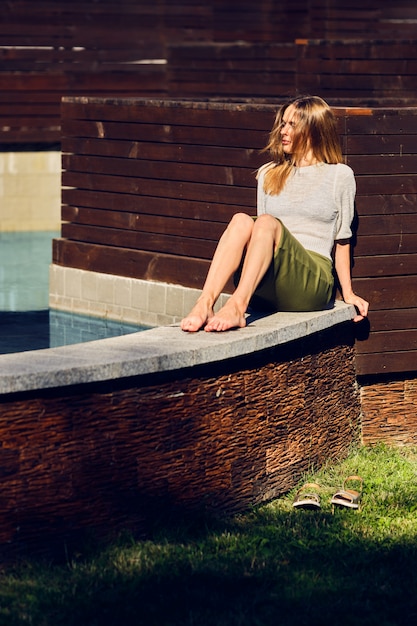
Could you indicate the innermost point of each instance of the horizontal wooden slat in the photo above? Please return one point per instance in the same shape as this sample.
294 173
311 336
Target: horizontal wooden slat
210 53
139 222
144 168
194 135
386 363
153 205
163 152
380 204
384 163
49 55
387 265
381 144
402 223
360 67
396 185
389 341
394 121
255 88
152 242
357 49
168 111
393 319
399 292
188 191
387 244
131 263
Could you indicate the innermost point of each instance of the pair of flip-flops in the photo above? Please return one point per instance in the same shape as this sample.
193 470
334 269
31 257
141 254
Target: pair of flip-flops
308 497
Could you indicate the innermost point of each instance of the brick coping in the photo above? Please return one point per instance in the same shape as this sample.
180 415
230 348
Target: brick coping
165 348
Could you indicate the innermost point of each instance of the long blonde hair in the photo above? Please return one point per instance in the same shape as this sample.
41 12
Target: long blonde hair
315 130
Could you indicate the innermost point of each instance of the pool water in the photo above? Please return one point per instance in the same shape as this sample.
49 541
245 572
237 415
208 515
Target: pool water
26 323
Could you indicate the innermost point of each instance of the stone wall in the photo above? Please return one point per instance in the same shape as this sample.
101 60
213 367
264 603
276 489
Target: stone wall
215 423
30 191
389 411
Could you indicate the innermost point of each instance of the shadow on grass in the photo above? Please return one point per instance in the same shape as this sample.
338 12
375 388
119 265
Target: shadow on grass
267 568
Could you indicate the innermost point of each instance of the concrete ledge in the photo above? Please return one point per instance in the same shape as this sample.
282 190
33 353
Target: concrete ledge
157 350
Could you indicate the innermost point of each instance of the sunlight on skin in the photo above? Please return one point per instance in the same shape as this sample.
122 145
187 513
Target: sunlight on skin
199 315
228 317
258 241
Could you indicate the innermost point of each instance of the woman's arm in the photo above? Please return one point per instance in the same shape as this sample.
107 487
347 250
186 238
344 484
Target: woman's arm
342 267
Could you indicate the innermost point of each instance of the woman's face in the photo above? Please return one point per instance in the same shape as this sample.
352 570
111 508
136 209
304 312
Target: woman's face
289 121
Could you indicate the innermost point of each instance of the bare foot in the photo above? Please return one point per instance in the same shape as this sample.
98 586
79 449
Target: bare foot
198 316
229 316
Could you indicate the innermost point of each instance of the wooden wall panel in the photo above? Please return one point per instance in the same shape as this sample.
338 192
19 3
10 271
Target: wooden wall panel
52 49
130 262
158 180
186 20
375 71
385 252
232 70
218 48
150 186
356 19
260 21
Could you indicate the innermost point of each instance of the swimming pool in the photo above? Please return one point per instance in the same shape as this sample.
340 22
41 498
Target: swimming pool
26 322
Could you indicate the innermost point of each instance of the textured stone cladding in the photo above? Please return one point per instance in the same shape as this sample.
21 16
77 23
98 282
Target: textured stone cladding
217 439
389 412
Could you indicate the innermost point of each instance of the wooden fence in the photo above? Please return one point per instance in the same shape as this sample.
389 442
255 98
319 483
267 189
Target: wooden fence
231 70
155 184
372 71
149 187
218 48
52 49
362 19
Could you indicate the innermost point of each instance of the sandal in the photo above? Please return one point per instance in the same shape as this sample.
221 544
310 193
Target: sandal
307 499
348 498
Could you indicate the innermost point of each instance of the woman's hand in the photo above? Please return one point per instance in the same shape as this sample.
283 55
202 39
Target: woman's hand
361 305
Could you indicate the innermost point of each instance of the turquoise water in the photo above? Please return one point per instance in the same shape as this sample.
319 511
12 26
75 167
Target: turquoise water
26 323
24 270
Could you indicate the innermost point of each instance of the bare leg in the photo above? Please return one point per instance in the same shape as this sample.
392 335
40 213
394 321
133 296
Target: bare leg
265 237
225 262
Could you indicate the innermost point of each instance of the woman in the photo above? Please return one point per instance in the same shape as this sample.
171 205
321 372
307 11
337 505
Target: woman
283 259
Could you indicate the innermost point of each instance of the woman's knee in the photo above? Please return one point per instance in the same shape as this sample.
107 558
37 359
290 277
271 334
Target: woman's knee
269 224
242 222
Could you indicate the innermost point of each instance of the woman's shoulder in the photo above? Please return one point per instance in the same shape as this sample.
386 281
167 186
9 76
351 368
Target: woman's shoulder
264 169
340 172
343 169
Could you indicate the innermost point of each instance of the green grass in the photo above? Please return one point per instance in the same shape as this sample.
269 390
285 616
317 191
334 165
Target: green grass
272 566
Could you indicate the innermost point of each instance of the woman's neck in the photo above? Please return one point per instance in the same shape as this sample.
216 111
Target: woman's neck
306 160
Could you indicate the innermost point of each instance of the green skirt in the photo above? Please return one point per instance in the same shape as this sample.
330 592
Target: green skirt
296 280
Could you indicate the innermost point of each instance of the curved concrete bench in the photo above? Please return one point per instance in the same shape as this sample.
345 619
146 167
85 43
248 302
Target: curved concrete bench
105 435
159 349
